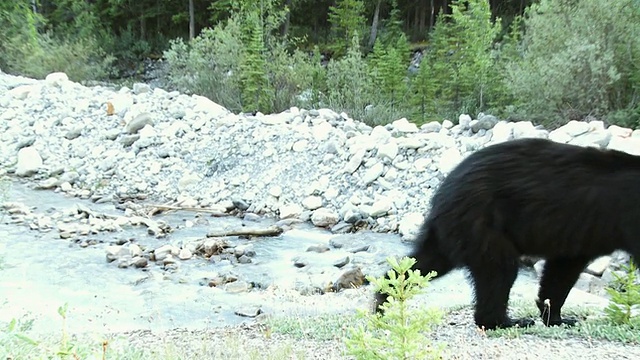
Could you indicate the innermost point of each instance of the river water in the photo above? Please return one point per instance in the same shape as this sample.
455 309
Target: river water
39 272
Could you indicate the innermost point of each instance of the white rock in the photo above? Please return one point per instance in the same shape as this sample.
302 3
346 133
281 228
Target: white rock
29 161
275 191
373 173
616 130
56 78
324 217
464 120
354 162
388 150
574 128
449 160
300 145
290 211
404 126
187 180
629 145
312 202
381 207
204 105
599 265
322 131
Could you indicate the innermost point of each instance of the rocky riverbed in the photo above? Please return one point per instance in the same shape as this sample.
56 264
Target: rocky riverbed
147 202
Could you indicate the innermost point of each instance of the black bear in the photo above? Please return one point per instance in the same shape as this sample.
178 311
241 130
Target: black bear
565 203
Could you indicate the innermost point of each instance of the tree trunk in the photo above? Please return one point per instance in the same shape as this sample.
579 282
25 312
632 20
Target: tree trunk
432 17
192 21
143 27
423 18
287 19
374 25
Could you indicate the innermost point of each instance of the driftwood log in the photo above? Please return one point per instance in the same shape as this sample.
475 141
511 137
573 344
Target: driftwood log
270 231
156 209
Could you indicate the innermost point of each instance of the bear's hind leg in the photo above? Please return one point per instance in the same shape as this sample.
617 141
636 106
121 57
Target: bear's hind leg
493 282
558 277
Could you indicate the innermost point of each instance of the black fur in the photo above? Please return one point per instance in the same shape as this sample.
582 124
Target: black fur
565 203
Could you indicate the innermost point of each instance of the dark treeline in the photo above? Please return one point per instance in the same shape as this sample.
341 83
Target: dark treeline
155 21
548 61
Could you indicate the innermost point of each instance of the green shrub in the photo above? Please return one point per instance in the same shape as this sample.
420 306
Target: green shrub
80 59
398 333
459 72
209 65
579 57
349 83
625 297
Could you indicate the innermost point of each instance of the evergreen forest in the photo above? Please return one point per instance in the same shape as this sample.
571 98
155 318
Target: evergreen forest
547 61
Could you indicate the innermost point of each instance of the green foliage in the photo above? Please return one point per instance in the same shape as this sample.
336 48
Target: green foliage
18 24
253 72
389 65
349 83
579 57
228 64
323 327
347 19
397 334
209 64
80 59
625 297
460 65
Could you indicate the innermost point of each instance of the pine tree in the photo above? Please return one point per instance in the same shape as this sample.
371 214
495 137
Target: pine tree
461 62
253 79
347 19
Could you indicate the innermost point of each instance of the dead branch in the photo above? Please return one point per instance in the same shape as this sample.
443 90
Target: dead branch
156 209
270 231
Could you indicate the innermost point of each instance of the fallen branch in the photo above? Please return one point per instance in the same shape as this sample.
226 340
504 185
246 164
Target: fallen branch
270 231
156 209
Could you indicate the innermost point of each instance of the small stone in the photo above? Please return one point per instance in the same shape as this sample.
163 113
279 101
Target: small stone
300 262
139 262
349 279
237 287
141 88
300 145
341 262
249 312
73 133
357 249
324 217
312 202
318 248
139 122
373 173
240 204
115 252
185 254
275 191
598 266
244 259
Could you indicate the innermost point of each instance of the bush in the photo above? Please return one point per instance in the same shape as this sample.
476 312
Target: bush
80 59
209 64
625 298
579 57
243 75
459 72
349 83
